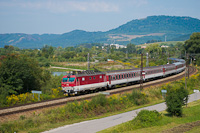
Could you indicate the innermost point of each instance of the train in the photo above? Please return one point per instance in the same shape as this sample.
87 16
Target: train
85 81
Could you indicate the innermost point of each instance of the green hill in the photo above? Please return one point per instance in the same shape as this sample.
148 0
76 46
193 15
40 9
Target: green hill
159 24
171 28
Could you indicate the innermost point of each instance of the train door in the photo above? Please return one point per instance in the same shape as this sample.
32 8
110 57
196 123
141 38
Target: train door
78 83
109 80
163 71
143 74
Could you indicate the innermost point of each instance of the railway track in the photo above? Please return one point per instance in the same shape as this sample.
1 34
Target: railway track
60 101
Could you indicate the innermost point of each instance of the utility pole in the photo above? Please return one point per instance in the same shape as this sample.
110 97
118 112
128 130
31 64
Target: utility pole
188 70
147 62
88 59
141 71
185 70
168 57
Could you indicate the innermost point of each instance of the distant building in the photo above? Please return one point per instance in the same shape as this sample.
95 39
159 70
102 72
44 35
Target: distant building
118 46
143 46
110 60
163 46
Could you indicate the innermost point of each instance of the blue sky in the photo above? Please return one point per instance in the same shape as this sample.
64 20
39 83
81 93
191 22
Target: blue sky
61 16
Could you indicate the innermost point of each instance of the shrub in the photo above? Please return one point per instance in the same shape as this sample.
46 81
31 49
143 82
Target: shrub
29 97
176 97
99 100
21 99
138 97
146 118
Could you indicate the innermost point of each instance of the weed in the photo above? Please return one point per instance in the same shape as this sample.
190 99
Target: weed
22 117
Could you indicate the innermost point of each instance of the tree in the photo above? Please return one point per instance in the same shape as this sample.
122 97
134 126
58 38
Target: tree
179 49
47 51
131 48
154 50
193 44
19 74
175 99
69 54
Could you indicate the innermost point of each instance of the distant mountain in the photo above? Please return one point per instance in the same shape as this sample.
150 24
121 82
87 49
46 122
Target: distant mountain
159 24
173 28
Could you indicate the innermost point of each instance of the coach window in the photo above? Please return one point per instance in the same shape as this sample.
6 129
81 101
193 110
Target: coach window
116 76
90 78
93 77
100 77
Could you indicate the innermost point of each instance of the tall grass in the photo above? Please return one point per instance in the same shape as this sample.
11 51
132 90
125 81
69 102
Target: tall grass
77 110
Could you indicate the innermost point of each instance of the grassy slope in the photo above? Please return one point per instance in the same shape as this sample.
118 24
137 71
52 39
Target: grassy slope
190 114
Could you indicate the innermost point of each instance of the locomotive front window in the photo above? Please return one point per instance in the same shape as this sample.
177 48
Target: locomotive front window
71 79
65 79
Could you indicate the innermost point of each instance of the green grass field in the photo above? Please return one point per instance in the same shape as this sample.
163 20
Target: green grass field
189 122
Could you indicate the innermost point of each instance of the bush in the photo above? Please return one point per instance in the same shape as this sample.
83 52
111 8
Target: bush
99 100
146 118
138 97
29 97
176 97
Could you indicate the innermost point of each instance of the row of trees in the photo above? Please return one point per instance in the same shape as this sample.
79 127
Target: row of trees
48 53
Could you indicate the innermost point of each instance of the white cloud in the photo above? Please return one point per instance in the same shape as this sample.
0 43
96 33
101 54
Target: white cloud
63 6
